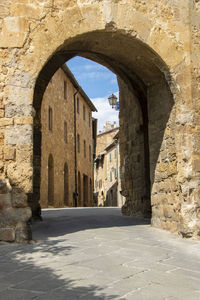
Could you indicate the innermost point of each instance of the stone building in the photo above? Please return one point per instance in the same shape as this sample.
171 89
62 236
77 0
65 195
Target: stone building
67 164
107 171
153 47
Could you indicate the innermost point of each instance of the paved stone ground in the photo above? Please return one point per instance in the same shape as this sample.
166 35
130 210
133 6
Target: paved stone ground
95 253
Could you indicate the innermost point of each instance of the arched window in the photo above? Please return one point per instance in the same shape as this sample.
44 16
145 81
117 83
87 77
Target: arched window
50 181
66 185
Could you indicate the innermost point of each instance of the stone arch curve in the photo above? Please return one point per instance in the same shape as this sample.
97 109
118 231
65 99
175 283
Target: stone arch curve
65 29
141 74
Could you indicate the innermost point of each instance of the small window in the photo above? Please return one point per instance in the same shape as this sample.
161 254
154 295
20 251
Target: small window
89 119
110 176
84 112
78 143
65 90
115 173
110 157
50 119
78 105
96 183
84 148
90 153
115 153
65 132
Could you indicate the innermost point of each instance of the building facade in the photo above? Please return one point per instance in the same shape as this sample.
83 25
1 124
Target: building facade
107 170
67 162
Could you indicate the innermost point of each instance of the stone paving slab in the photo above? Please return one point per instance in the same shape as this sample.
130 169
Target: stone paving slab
95 253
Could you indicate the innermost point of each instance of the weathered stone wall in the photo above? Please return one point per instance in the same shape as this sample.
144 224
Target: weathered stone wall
53 141
142 41
132 154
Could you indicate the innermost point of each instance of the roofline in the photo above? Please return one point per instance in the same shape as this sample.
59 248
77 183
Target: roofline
112 145
109 131
69 74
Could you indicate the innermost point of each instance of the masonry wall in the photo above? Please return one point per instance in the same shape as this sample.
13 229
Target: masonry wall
53 141
142 41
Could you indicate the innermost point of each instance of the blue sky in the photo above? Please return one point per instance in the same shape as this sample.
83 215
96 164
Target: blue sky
98 82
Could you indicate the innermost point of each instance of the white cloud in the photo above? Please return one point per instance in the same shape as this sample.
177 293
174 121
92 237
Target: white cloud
105 112
95 75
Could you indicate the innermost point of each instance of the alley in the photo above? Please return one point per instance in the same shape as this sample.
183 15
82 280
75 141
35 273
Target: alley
96 253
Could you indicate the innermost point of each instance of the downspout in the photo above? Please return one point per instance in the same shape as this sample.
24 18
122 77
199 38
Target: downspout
75 154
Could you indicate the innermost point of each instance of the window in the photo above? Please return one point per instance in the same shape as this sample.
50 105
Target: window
65 90
78 105
96 183
110 157
50 119
110 176
115 153
84 112
90 153
89 119
65 132
115 172
84 148
78 142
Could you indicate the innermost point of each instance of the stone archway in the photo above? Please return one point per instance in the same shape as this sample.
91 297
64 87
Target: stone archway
159 95
146 110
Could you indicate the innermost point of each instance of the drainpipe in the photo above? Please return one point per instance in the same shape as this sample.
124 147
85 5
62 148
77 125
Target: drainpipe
75 154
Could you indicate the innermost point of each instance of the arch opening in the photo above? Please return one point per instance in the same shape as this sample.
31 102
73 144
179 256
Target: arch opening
146 111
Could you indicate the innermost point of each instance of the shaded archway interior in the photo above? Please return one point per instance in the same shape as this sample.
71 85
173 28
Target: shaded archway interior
138 69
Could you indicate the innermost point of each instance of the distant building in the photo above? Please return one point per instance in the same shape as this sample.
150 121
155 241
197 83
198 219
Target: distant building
68 143
107 175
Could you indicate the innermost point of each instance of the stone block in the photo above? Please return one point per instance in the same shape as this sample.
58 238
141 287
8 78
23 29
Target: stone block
19 200
19 135
14 30
5 186
23 120
168 211
23 232
9 153
24 154
5 201
2 113
20 175
7 234
6 122
196 165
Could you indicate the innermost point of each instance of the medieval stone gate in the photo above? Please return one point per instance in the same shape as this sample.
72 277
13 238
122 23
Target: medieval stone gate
153 46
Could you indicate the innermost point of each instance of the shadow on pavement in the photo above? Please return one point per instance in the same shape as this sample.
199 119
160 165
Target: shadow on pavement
23 278
58 222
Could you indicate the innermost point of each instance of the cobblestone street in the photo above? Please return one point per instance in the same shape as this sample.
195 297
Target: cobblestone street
95 253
